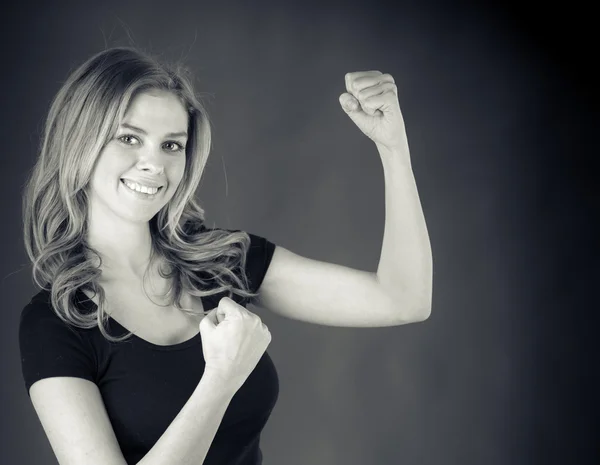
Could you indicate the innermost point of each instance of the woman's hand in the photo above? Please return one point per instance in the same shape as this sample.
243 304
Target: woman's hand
371 101
233 341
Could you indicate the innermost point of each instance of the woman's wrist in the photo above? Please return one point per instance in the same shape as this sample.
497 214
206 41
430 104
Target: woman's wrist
219 380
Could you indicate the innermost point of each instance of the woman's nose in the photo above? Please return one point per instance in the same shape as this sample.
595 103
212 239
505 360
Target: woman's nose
152 159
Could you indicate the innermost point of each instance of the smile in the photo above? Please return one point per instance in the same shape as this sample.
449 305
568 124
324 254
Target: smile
149 195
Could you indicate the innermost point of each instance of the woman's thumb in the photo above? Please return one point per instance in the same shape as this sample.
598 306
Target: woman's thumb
210 320
348 102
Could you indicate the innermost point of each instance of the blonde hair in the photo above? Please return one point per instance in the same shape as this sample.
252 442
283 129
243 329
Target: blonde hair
83 117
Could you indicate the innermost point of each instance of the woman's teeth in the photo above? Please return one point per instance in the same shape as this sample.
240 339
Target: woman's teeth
143 189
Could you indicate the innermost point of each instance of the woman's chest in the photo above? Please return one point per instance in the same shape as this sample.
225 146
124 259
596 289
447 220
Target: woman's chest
150 317
144 388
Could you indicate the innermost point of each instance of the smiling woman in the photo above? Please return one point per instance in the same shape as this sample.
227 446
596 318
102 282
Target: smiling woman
111 204
116 372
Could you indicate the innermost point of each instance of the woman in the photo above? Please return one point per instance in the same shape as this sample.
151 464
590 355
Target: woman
121 359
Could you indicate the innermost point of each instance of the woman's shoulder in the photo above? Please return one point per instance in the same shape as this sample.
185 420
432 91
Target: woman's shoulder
40 305
39 313
50 347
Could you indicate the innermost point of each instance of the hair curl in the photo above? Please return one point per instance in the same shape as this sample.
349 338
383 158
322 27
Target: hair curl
83 117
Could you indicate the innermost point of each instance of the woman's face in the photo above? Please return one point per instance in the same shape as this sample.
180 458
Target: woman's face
148 148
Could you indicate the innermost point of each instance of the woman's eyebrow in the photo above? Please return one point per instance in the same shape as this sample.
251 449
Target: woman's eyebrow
141 131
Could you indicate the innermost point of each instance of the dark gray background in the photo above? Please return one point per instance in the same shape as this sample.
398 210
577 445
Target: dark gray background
501 113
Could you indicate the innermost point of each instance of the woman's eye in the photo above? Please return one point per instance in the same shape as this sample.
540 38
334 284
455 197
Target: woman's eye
174 146
126 139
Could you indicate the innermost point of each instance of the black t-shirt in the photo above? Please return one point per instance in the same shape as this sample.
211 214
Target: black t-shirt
144 386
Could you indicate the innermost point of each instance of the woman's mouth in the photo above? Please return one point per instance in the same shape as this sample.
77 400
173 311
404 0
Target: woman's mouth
142 195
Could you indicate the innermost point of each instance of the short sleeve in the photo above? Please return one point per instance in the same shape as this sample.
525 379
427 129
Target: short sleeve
50 348
258 259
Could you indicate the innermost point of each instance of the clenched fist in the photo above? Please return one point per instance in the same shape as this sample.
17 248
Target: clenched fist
233 341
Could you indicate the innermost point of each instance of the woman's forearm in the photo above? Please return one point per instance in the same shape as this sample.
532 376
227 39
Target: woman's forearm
187 439
405 268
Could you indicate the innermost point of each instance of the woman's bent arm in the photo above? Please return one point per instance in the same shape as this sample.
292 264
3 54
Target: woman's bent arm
74 418
189 436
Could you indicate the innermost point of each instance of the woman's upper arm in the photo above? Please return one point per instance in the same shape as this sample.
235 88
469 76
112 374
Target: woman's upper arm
72 413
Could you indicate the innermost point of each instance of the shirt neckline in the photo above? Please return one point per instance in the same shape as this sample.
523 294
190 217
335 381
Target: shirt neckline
91 305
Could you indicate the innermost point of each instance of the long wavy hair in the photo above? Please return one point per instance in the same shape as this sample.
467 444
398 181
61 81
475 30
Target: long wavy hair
83 117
